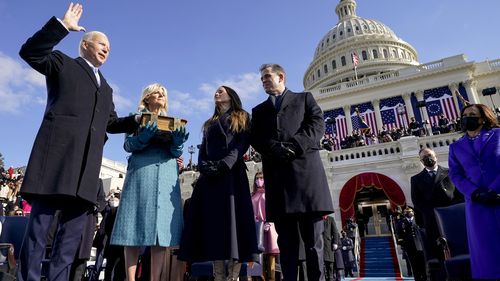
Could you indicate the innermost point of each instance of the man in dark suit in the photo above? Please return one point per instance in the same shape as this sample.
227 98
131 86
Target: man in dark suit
63 169
432 188
407 238
286 130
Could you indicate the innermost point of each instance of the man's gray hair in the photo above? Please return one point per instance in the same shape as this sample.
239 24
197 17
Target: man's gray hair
88 37
276 68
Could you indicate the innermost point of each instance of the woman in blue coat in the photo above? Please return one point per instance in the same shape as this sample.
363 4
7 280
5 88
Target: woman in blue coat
150 211
474 162
220 223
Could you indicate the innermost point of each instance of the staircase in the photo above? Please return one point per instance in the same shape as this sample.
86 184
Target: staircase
378 258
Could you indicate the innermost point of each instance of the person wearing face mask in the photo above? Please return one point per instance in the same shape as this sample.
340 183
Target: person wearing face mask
474 162
220 222
407 238
430 189
270 237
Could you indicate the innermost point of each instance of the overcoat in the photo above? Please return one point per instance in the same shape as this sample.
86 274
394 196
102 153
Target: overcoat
471 170
150 210
299 186
67 154
330 237
428 193
220 223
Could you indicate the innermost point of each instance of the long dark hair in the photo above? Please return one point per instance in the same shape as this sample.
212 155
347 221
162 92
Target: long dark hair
238 120
490 120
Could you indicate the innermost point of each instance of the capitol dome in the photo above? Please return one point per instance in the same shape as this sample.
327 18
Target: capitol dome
377 47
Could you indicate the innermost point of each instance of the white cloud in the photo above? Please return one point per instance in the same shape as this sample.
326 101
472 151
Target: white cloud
122 104
247 85
20 86
189 105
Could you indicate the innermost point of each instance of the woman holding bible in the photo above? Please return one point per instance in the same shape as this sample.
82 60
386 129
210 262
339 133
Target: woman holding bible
150 210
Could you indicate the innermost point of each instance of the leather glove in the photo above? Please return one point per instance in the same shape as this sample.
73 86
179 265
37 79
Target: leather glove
147 132
179 136
283 151
489 197
344 248
335 247
213 168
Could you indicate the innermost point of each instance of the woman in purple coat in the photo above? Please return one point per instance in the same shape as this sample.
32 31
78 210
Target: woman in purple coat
474 162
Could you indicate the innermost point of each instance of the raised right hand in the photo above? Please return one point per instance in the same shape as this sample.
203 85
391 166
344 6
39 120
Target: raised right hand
72 16
147 132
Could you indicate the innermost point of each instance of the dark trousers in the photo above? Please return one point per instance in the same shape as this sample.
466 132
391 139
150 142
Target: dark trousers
66 242
291 228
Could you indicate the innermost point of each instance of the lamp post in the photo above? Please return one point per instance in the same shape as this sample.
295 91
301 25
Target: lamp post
401 111
191 151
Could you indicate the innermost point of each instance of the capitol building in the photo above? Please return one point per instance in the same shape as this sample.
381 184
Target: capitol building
361 69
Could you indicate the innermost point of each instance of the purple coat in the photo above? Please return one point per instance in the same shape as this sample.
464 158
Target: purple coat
469 171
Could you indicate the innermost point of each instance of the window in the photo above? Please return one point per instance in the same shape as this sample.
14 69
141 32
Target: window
319 74
325 68
386 54
334 64
341 32
364 55
357 27
342 59
349 29
394 54
375 54
333 37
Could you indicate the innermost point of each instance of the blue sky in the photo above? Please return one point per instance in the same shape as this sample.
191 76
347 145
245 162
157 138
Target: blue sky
192 47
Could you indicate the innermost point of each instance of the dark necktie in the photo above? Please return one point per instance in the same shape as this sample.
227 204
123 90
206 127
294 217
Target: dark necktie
432 174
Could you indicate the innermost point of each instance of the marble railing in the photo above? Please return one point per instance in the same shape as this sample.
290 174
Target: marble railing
391 150
494 64
408 71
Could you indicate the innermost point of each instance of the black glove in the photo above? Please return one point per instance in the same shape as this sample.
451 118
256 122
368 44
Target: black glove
489 197
283 151
213 168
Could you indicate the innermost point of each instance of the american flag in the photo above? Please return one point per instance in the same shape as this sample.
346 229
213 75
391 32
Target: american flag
339 128
390 115
355 59
440 100
366 113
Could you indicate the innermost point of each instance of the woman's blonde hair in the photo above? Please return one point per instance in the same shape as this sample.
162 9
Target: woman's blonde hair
238 120
155 87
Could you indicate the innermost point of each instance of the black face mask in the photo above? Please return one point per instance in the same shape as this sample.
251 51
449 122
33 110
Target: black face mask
429 161
470 123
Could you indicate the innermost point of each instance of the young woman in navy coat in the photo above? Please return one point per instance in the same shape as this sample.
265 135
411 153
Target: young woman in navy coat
474 162
220 223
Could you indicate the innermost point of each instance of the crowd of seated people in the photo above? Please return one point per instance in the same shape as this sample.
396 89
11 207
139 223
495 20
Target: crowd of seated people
359 138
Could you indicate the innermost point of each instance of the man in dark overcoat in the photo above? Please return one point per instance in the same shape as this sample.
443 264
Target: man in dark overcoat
286 130
430 189
64 164
407 238
332 253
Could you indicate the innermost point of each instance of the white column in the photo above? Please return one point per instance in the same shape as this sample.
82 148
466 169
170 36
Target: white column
454 92
420 97
470 87
409 108
378 117
347 112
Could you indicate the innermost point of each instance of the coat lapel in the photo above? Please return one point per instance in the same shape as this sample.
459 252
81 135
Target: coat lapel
286 99
485 138
89 70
